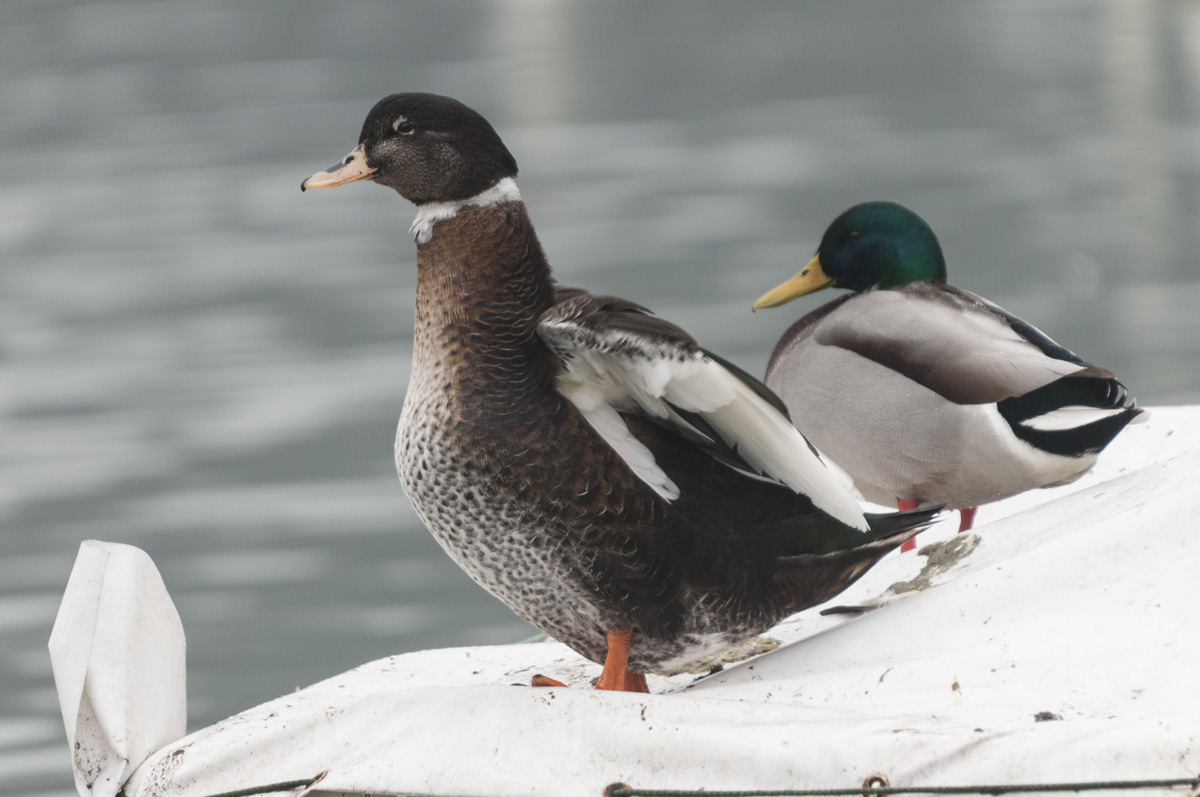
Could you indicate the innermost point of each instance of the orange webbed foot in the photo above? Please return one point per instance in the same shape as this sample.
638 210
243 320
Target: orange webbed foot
615 677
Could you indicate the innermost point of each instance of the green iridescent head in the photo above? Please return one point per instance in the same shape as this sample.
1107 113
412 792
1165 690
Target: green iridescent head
872 245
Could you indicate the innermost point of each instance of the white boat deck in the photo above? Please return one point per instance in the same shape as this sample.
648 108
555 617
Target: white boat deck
1058 642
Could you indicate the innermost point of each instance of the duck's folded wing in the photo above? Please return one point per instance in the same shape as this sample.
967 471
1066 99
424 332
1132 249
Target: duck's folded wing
617 358
970 351
958 345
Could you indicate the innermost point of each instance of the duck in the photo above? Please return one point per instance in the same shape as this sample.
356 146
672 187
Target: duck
617 485
928 394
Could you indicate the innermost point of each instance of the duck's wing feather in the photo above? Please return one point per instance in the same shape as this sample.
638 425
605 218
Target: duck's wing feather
957 344
618 358
970 351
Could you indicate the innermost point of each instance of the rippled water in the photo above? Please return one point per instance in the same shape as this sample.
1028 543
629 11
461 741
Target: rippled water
200 361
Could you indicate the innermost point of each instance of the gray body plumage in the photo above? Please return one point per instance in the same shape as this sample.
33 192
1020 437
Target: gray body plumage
900 388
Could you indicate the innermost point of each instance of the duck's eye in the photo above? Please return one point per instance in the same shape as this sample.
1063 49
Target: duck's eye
853 235
404 127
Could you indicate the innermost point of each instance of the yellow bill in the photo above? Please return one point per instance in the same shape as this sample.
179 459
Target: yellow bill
811 278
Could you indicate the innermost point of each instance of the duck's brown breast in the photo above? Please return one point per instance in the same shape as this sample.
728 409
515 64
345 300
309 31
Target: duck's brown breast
508 476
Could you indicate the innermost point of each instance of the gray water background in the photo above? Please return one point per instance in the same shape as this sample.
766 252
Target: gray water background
198 360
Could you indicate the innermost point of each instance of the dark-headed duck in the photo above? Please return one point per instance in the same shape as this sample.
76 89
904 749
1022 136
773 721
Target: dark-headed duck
615 484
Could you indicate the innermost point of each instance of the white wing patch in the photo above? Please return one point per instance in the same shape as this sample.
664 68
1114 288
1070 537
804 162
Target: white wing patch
763 436
588 387
613 371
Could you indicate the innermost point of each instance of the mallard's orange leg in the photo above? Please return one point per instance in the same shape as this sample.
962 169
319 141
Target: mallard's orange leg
903 504
614 676
966 518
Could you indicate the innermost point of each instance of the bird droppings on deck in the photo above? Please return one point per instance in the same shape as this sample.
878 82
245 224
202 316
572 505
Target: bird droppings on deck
942 556
717 661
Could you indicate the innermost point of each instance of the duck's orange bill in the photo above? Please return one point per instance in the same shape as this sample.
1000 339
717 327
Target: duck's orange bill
352 167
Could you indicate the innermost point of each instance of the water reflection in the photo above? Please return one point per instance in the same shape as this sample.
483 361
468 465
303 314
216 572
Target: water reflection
200 361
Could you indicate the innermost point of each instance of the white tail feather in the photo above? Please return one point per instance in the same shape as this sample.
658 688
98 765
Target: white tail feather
1069 418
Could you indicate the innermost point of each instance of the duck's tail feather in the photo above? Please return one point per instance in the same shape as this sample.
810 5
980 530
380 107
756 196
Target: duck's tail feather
1075 416
898 525
810 579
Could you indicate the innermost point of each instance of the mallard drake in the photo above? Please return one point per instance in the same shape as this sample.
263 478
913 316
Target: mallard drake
614 483
925 393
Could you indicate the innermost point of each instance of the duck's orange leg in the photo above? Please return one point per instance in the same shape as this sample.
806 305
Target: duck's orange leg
966 518
911 542
614 676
